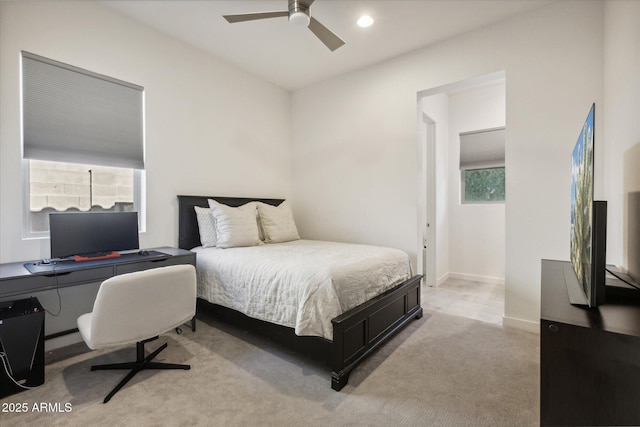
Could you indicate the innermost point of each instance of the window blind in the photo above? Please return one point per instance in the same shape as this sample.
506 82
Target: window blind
73 115
482 149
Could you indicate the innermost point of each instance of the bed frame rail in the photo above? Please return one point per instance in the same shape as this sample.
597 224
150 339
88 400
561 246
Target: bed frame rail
361 330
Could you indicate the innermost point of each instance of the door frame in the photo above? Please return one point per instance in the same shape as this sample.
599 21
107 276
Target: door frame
426 262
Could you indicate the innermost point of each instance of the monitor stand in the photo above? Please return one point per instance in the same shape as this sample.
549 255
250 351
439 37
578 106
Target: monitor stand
574 289
617 288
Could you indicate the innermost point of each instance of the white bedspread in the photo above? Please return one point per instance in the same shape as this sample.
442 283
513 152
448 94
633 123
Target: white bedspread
301 284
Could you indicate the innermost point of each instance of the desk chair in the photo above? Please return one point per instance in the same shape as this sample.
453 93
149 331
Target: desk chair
138 307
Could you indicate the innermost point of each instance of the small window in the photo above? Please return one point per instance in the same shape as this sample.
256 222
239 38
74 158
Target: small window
72 187
482 166
483 185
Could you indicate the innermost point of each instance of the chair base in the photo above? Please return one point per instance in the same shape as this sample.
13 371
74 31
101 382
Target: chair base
140 364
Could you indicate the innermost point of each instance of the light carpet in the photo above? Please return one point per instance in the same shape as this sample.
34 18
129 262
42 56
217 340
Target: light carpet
441 370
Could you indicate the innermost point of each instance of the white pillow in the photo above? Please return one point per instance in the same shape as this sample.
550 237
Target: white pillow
235 226
277 223
206 226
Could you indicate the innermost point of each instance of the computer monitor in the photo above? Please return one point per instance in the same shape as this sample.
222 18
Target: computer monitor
85 233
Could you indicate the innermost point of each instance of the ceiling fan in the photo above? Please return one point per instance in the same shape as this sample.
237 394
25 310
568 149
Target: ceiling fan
298 14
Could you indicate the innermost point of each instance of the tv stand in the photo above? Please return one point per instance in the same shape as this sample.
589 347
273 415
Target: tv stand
589 363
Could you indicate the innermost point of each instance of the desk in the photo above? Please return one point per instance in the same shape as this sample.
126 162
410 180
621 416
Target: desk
50 284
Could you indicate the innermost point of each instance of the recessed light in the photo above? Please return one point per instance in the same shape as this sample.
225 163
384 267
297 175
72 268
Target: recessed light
365 21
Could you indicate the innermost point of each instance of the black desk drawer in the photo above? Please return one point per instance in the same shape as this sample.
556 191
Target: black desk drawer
34 283
24 285
84 276
146 265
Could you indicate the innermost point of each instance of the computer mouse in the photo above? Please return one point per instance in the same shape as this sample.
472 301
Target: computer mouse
143 252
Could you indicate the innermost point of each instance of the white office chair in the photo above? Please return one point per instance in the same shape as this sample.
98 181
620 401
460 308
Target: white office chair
138 307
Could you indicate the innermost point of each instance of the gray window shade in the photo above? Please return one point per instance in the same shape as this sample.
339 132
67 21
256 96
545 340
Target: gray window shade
482 149
74 115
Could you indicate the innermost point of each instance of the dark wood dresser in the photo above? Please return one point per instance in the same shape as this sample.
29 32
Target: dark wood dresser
589 357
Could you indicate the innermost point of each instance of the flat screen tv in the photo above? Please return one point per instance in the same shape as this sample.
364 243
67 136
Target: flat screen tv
588 224
88 233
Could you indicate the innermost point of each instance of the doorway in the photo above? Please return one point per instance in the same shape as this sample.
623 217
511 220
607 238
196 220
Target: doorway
450 237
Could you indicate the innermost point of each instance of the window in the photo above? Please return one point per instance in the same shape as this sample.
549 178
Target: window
483 185
482 168
83 142
72 187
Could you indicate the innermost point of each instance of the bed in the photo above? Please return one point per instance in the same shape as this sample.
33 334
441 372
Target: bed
337 322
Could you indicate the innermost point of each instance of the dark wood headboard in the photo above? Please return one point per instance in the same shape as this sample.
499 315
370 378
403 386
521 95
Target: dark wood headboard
188 234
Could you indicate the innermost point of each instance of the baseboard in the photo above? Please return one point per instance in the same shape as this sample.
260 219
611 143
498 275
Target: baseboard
475 278
62 341
523 325
442 279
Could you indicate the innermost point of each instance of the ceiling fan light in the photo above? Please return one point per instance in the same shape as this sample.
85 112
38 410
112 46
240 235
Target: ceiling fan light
299 19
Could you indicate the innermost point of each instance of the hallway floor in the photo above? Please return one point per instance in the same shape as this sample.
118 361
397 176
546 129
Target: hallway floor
466 298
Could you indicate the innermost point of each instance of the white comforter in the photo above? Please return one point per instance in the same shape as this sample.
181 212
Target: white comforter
301 284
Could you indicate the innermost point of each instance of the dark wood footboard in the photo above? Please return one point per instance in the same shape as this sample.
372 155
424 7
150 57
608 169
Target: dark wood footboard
361 330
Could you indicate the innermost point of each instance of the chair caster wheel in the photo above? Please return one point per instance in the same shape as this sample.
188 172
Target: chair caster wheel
178 331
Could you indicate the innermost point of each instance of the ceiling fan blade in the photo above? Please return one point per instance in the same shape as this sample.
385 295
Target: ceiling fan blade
325 35
254 16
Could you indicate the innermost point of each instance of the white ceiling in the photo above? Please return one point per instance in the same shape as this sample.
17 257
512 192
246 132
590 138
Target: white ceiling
292 57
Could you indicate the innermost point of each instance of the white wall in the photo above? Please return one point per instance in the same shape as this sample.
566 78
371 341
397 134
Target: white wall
622 131
210 127
355 148
477 231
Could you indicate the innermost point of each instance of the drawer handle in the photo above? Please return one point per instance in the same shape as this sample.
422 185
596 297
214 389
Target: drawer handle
553 329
